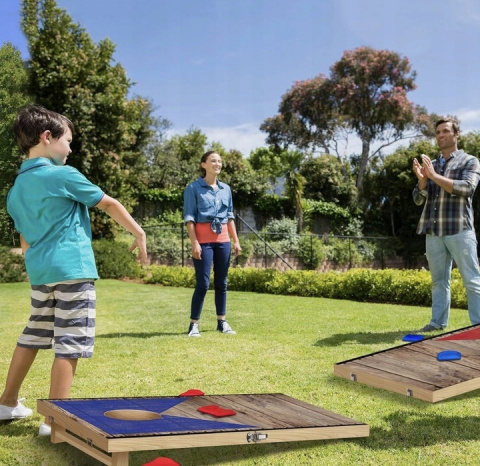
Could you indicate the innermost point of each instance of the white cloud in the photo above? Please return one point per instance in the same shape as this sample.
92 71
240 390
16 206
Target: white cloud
198 61
245 137
469 11
469 119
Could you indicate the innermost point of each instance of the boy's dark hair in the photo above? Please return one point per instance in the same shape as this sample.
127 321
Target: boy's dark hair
455 125
33 120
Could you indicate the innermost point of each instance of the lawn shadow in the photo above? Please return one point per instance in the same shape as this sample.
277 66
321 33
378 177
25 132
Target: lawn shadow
209 456
406 430
146 334
139 335
414 429
363 338
18 427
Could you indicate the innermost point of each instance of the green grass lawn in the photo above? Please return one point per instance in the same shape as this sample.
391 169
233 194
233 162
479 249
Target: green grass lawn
284 344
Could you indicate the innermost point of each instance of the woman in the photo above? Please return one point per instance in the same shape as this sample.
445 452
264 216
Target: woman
208 214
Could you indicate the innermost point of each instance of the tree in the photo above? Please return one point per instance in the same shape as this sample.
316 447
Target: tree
74 76
370 87
13 96
328 179
281 167
391 210
269 164
175 162
366 94
305 119
294 183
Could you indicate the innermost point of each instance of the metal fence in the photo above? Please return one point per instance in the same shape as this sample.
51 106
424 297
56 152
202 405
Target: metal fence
169 244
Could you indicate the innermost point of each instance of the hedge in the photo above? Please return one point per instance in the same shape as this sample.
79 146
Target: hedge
408 287
12 266
112 258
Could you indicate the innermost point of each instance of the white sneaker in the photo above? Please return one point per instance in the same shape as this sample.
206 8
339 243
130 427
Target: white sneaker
44 430
17 412
222 326
193 330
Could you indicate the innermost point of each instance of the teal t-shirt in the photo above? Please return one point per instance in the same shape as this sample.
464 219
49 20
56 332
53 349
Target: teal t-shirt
49 205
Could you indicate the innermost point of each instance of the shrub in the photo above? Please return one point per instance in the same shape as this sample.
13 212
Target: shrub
260 249
167 248
310 251
345 251
251 279
171 276
12 266
408 287
114 260
283 233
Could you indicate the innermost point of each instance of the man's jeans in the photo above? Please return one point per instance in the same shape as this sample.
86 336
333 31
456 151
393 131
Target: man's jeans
441 251
218 255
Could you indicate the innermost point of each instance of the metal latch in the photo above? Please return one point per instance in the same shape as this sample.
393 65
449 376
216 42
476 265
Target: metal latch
256 437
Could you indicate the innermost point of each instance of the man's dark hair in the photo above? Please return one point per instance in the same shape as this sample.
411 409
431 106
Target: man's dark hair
455 125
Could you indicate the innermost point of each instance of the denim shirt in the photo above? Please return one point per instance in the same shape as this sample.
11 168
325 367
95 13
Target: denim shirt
202 203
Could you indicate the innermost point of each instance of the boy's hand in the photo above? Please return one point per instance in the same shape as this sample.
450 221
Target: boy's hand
141 244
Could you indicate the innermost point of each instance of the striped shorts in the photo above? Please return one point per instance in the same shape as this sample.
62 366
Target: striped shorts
62 317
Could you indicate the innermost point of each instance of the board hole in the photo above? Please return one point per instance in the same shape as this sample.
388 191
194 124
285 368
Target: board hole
132 415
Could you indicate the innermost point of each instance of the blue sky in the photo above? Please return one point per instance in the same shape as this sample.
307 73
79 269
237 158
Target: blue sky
223 65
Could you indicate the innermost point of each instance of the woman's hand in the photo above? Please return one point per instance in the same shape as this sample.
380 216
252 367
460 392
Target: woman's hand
196 250
237 249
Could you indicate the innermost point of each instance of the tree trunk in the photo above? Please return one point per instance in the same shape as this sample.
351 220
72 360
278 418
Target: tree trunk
363 164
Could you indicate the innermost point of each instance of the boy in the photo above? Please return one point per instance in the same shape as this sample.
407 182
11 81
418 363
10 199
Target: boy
49 204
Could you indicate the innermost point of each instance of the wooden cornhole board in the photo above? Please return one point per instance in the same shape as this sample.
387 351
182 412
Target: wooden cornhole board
413 369
261 418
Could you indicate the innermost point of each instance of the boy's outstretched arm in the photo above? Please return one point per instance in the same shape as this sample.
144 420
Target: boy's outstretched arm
116 211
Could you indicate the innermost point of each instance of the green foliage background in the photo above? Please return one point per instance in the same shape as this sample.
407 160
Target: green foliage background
122 146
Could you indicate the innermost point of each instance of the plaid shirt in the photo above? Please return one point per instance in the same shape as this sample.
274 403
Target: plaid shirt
445 213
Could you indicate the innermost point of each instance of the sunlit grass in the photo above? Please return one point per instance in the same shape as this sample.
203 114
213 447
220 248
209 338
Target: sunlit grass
284 345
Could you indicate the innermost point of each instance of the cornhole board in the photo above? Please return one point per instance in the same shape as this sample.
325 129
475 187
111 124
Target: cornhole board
109 428
413 369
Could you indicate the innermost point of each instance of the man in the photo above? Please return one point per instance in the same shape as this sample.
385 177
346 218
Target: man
445 187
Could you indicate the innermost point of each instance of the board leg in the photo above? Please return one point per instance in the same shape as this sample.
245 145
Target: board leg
56 435
120 459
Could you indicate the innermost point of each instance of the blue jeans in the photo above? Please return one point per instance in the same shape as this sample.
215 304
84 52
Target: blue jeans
441 251
218 255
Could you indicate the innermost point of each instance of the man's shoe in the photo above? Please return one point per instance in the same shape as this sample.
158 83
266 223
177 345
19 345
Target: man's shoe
222 326
428 328
193 330
44 430
16 412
